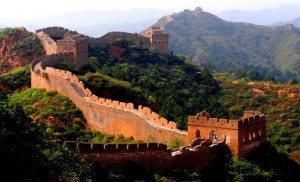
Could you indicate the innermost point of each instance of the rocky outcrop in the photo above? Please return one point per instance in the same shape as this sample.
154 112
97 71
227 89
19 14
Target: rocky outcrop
18 48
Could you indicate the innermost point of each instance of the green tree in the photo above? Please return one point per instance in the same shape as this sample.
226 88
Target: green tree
20 145
27 152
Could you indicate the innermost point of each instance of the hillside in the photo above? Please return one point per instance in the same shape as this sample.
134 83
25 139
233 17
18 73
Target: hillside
224 46
18 48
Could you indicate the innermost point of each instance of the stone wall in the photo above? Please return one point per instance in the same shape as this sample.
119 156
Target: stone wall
105 115
48 44
151 155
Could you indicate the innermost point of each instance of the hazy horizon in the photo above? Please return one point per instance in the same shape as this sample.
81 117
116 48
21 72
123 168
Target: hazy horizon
95 18
30 10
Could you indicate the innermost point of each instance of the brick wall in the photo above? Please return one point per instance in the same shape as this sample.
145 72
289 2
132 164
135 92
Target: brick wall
108 116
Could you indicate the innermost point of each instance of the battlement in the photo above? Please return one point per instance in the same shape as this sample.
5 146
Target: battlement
72 42
87 147
203 119
150 155
161 120
250 118
157 35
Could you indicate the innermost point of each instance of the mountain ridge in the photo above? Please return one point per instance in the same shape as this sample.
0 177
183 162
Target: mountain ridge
229 46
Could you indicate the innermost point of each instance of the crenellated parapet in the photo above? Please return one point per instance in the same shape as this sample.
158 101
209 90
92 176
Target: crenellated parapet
153 115
251 118
71 42
161 35
203 119
151 155
88 147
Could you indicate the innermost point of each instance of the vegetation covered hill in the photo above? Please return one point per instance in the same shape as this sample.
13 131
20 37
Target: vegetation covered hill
269 52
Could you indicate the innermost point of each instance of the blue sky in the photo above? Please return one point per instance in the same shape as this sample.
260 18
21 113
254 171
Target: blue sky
36 9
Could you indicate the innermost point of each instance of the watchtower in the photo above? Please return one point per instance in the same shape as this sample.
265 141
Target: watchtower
77 45
158 39
242 136
57 40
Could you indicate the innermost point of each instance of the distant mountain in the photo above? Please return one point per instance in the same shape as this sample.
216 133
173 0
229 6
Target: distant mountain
262 17
94 22
295 22
101 29
266 52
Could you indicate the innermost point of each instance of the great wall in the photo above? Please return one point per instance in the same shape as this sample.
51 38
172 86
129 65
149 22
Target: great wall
106 115
114 117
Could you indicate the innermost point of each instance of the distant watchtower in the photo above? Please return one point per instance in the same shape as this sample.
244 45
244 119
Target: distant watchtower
158 39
